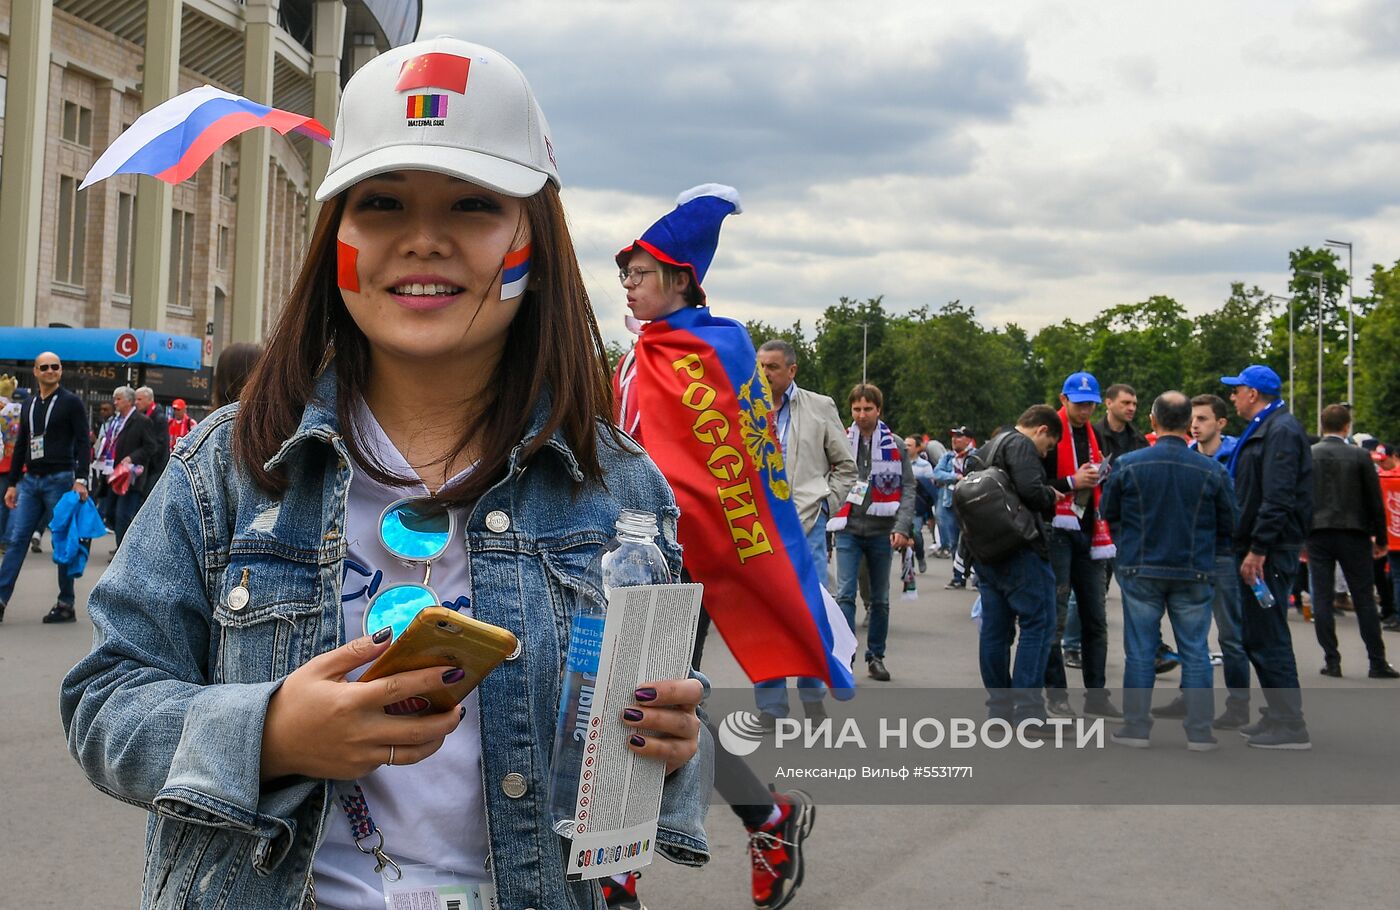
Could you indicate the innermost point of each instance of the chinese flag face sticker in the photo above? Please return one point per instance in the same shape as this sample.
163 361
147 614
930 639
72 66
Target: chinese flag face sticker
447 71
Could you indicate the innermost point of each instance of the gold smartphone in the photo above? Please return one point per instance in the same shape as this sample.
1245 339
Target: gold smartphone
439 637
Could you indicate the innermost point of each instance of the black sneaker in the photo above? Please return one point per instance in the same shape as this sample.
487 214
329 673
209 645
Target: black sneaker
955 586
1175 708
622 896
1167 661
1131 740
1073 659
61 612
1231 719
767 722
1101 707
1282 736
36 544
1383 670
775 850
923 565
1332 668
1060 707
1391 625
814 711
1209 744
1254 729
875 666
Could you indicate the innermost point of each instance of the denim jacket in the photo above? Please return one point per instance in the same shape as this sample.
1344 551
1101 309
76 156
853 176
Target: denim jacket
1168 506
167 711
945 476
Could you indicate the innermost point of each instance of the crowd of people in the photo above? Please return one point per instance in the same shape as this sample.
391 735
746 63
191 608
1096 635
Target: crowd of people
442 263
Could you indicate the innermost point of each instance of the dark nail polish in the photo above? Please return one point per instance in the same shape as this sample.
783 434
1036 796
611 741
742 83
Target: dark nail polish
410 705
382 635
461 712
631 714
636 741
456 674
647 694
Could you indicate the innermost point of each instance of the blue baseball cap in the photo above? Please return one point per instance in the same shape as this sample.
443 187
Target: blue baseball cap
1082 386
1256 376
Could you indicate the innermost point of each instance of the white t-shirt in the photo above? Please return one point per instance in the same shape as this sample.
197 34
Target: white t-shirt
432 812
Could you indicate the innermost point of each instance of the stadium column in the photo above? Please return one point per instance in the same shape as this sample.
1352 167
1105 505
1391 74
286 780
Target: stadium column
22 178
150 286
328 40
254 154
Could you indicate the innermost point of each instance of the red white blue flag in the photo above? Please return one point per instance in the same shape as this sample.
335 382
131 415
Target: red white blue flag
707 418
172 139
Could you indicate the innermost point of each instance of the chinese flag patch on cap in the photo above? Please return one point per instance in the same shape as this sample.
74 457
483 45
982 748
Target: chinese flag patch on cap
447 71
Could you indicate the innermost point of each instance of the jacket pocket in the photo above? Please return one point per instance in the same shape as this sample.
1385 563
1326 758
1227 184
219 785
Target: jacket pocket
566 571
262 606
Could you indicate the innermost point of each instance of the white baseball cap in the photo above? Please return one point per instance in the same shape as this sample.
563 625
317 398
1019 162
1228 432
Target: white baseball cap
442 105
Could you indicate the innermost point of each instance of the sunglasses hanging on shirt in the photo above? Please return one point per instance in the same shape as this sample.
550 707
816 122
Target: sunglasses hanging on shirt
414 531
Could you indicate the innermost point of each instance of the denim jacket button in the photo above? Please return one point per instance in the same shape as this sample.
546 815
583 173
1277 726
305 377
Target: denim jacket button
519 646
238 598
513 785
498 522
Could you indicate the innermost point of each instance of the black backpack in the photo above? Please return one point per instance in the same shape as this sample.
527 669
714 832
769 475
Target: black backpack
994 521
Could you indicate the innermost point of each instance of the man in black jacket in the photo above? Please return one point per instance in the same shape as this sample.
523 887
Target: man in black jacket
139 444
1348 528
1272 471
1019 590
50 459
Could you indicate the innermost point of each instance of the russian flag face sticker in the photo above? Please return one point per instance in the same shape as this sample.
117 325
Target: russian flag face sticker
347 272
515 273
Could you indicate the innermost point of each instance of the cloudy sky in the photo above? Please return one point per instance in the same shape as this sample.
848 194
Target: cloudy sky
1034 159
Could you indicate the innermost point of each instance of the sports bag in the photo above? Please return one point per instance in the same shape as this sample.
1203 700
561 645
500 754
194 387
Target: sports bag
994 521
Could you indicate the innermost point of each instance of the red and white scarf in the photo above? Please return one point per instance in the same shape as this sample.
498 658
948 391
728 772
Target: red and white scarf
886 476
1066 463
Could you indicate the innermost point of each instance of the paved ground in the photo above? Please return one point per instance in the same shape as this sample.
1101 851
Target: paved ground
69 846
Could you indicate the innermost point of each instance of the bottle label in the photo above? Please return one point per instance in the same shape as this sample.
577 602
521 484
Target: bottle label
585 644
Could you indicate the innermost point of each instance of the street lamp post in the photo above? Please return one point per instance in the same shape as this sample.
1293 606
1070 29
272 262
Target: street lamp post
1270 299
1318 276
1351 323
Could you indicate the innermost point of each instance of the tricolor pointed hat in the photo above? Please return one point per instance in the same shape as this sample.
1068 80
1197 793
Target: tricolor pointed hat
687 236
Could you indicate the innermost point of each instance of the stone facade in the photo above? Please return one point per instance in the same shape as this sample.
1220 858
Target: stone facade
100 73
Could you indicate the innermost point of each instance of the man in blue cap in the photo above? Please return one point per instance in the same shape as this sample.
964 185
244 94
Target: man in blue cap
1272 470
1079 540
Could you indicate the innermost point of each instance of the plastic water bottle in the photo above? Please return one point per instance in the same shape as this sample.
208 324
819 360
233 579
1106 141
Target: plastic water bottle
1262 593
630 558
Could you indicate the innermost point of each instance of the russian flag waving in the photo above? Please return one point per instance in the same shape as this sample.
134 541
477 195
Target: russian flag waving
707 418
172 139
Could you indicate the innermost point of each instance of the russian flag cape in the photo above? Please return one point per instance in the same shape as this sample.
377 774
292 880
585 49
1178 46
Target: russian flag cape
702 409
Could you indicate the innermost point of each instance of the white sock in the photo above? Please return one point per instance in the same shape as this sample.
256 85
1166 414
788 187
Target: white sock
773 816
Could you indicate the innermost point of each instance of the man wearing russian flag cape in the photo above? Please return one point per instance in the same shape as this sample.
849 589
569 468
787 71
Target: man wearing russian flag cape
692 393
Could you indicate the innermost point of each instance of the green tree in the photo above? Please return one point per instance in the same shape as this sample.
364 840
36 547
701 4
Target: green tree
1378 358
1059 350
1140 344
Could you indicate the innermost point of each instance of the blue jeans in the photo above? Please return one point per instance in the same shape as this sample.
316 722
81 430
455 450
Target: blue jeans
1395 577
1188 605
35 498
1020 591
1074 635
771 695
1266 637
1076 571
949 534
875 549
4 512
1226 609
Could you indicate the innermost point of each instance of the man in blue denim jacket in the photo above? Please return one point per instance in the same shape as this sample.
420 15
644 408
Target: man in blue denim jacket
181 737
1167 506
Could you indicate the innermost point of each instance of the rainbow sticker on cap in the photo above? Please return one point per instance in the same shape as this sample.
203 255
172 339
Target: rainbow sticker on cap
515 273
426 110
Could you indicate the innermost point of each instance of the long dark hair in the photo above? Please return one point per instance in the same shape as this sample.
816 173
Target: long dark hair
231 373
553 348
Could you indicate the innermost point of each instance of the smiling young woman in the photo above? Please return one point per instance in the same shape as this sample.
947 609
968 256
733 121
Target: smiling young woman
438 345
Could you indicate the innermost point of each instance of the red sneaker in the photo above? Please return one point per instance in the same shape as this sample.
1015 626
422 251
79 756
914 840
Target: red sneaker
622 895
776 850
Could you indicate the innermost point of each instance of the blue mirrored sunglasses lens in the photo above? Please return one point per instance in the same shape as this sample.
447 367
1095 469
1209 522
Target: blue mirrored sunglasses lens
395 607
410 534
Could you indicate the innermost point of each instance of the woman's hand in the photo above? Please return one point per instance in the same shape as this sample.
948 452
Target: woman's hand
665 720
320 725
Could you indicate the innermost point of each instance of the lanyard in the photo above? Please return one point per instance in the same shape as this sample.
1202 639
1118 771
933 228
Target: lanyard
48 412
362 828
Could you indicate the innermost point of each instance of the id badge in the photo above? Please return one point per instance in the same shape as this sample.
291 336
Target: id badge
36 448
857 494
422 887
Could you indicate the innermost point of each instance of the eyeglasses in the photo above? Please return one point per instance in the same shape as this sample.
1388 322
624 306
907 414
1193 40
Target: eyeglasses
414 531
46 367
634 275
